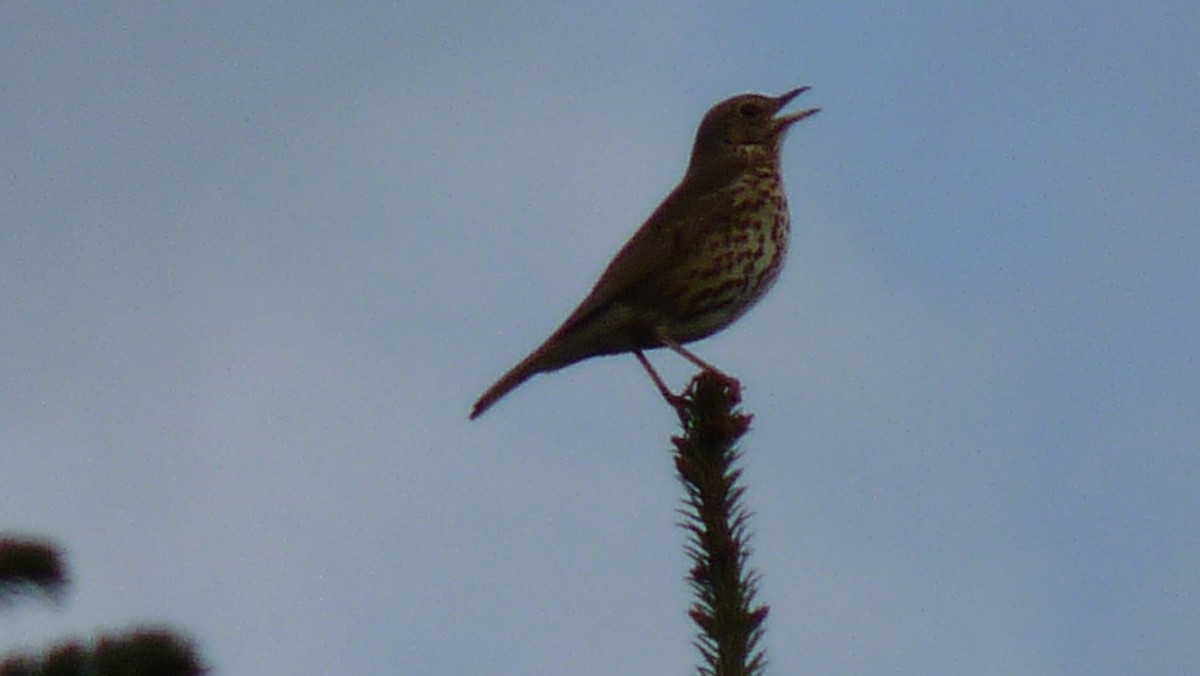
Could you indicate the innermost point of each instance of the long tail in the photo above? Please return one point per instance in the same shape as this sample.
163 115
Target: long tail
581 336
529 367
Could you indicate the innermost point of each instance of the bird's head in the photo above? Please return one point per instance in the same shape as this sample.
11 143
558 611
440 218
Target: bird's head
747 126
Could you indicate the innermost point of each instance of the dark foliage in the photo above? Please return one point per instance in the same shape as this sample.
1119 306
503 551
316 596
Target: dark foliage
730 623
30 566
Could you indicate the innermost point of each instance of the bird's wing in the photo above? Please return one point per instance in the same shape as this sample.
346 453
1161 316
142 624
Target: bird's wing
673 231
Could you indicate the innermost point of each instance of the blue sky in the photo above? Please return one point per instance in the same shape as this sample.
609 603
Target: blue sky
258 261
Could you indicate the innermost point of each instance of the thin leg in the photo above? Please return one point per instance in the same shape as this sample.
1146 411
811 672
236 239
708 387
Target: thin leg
671 397
688 355
704 366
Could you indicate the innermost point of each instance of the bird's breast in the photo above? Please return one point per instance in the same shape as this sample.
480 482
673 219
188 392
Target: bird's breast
737 259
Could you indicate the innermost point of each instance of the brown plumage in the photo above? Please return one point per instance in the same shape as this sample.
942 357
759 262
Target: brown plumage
705 256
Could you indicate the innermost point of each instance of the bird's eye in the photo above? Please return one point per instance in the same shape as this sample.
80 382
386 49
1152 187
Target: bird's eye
749 109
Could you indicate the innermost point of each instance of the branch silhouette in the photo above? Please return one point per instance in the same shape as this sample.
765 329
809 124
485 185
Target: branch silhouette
724 609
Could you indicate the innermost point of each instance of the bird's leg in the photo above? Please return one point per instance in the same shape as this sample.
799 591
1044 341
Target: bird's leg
690 356
704 366
673 399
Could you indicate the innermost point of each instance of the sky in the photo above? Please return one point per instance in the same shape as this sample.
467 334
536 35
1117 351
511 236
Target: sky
258 260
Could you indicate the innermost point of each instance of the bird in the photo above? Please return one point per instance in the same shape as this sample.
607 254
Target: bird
704 257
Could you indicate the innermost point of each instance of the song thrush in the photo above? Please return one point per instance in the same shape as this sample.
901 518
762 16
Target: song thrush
705 256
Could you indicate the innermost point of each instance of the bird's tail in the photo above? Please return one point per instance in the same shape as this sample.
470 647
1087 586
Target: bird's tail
529 367
575 340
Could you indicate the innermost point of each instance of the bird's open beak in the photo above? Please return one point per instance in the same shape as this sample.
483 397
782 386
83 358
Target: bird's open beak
784 121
